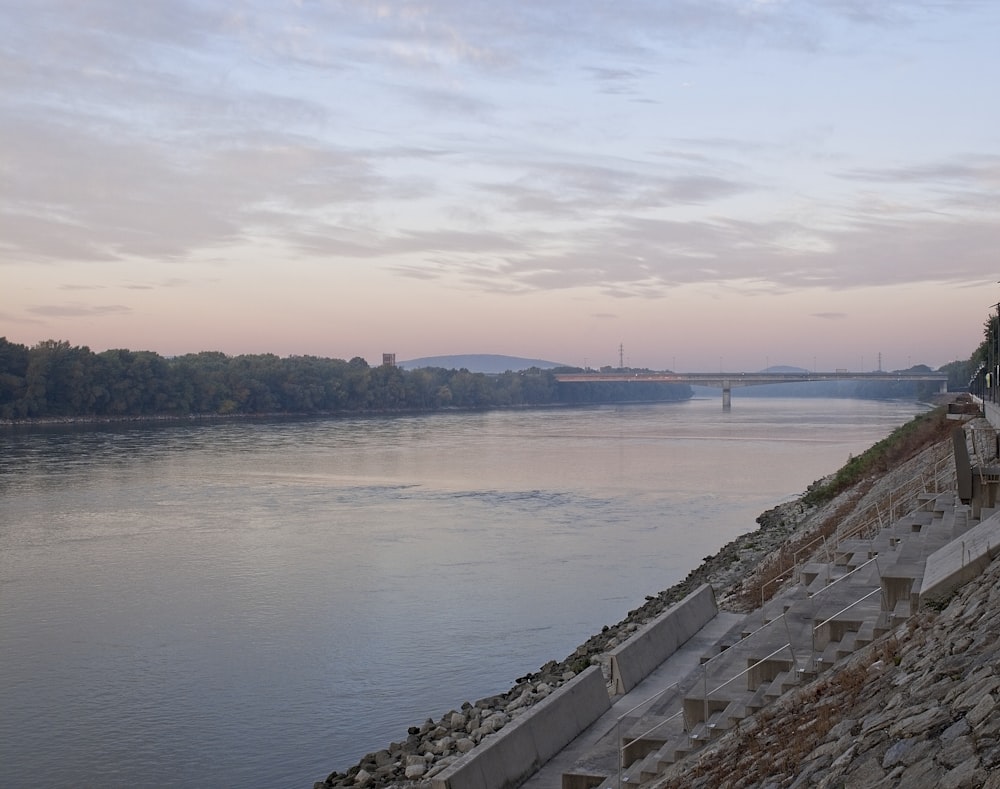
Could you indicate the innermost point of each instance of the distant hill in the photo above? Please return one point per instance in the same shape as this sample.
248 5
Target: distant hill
784 368
479 363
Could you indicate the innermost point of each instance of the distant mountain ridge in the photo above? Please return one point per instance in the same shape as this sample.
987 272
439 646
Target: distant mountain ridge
479 363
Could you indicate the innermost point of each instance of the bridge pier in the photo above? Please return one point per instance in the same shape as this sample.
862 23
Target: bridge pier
727 396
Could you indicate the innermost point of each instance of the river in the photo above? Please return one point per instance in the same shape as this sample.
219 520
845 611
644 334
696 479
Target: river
258 603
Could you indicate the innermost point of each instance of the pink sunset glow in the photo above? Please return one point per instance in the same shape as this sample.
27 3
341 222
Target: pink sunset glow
755 184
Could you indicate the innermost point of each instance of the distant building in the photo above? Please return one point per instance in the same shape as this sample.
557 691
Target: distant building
388 360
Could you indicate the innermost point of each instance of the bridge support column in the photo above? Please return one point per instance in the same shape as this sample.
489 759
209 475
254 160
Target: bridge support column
727 396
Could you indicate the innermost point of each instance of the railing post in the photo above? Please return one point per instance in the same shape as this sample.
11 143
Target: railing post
621 753
791 649
881 586
813 631
705 710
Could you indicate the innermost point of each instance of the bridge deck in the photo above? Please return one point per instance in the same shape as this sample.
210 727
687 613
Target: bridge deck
726 380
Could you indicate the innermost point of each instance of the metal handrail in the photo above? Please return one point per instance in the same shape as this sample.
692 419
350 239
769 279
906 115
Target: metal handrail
845 575
834 616
708 693
904 495
745 671
622 747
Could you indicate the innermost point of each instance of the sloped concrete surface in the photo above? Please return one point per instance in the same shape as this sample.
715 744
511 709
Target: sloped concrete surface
960 560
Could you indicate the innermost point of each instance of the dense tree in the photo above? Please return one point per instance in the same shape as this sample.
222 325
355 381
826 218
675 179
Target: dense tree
56 379
13 378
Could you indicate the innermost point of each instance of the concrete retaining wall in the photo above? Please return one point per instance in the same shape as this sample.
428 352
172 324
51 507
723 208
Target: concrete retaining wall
634 660
524 745
961 560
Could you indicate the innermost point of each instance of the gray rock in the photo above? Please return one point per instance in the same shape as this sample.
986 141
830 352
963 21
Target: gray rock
964 776
981 711
415 771
919 723
957 751
896 752
958 729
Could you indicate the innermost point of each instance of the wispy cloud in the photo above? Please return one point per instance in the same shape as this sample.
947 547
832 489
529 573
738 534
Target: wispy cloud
761 147
78 310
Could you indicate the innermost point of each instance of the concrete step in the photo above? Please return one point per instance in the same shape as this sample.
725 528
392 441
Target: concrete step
883 625
865 635
846 646
719 722
811 571
832 631
642 739
827 657
732 715
824 579
757 701
714 651
649 768
901 613
777 687
699 735
847 548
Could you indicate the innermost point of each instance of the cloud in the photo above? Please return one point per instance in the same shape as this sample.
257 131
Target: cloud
983 170
188 130
83 197
618 81
76 310
437 100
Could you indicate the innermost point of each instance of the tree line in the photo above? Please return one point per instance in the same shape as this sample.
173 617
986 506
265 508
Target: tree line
55 379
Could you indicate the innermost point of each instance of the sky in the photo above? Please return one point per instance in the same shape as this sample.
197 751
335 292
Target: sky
696 184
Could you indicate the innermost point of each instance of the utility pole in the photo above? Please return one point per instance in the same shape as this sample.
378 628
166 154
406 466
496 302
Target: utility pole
621 356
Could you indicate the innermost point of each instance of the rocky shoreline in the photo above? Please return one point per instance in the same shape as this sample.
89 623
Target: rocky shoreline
737 572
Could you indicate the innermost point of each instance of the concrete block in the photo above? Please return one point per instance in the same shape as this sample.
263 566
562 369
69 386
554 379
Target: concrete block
960 560
634 660
513 754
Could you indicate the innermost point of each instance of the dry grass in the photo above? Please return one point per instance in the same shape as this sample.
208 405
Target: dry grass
858 476
778 740
765 582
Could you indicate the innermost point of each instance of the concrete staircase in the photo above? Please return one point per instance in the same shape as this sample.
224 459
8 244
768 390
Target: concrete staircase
868 588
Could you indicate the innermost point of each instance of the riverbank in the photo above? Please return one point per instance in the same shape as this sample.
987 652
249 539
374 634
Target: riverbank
738 573
917 709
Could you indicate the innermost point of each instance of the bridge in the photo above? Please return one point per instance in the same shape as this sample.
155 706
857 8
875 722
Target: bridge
726 381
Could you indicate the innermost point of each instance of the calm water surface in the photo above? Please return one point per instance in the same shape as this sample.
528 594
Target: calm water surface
256 604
